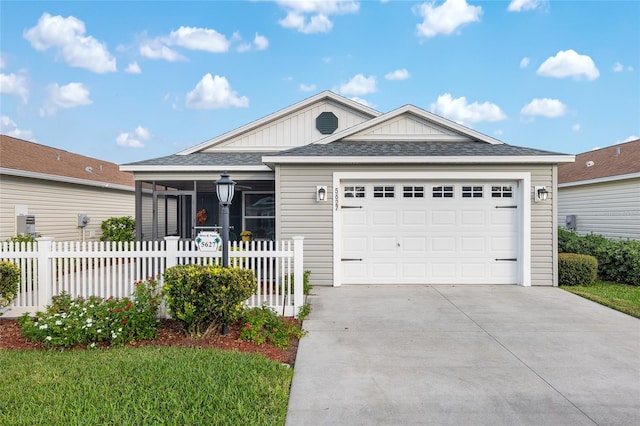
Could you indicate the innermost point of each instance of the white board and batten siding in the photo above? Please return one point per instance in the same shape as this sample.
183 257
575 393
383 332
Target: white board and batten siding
300 214
609 208
56 206
293 130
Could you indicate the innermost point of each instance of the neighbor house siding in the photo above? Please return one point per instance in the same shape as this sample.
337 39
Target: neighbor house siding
610 208
300 214
56 206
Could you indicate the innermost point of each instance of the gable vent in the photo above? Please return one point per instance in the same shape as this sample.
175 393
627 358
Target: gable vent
327 123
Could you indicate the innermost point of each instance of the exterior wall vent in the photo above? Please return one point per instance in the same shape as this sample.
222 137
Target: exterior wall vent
327 123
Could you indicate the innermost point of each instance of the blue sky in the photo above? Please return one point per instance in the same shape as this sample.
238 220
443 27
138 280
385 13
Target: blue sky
125 81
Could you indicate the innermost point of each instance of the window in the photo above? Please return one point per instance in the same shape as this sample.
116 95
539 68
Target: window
413 192
259 215
442 192
502 191
472 192
384 191
354 192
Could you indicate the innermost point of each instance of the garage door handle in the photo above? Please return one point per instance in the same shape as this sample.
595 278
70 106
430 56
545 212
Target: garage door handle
507 260
351 207
506 207
351 260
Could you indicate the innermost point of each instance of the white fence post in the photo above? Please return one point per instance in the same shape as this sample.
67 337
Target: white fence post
172 251
45 282
298 273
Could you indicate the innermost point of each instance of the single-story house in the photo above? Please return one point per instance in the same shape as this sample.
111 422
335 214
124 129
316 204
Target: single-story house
600 192
380 198
55 193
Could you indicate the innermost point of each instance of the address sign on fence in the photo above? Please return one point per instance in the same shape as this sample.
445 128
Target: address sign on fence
208 241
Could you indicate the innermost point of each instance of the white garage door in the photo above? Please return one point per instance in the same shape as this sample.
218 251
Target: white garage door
429 232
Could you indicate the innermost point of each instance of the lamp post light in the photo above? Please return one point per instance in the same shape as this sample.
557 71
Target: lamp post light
224 189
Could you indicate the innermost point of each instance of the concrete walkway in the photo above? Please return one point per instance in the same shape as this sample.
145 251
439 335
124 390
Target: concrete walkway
464 355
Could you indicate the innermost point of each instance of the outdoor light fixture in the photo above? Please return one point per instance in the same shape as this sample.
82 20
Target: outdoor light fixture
224 189
540 194
321 193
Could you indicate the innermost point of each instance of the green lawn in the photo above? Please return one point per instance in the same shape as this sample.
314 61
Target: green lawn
621 297
144 385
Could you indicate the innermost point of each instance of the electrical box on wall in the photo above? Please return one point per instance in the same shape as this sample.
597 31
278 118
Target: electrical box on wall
570 222
83 220
26 224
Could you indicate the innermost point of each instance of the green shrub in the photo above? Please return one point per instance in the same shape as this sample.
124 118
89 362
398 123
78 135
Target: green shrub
265 325
618 260
69 322
577 269
23 238
118 229
9 283
200 297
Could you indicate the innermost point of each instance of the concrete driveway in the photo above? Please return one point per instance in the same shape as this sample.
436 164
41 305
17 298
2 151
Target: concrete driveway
464 355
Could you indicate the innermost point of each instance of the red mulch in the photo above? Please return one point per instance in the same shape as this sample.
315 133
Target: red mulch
169 334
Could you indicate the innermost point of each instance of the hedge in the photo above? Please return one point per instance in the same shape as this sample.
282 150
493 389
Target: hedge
618 260
577 269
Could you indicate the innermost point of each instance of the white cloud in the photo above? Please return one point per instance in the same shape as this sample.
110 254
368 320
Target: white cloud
307 87
399 74
194 38
69 96
155 50
525 62
520 5
446 18
362 101
568 63
545 107
461 112
260 42
313 16
14 84
135 139
618 67
133 68
631 138
576 127
214 92
358 85
74 47
8 127
498 132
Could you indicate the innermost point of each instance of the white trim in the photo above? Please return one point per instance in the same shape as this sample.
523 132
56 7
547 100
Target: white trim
523 180
420 113
202 168
511 159
65 179
599 180
363 109
441 137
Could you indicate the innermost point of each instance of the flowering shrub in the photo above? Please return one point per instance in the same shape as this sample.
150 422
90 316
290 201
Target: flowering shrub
201 296
9 282
265 325
68 322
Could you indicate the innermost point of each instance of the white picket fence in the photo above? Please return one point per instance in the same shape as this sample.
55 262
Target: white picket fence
108 269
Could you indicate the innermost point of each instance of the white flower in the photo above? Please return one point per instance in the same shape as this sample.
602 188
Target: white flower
43 327
91 306
99 330
48 337
89 320
58 322
92 345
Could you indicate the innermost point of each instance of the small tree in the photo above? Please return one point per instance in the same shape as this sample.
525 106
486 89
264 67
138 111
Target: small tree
118 229
9 283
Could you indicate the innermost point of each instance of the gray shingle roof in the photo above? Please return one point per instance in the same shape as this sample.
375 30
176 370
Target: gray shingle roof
410 149
207 159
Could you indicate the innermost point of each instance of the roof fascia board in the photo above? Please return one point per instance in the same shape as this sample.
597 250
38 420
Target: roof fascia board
327 94
406 138
599 180
419 112
203 168
511 159
64 179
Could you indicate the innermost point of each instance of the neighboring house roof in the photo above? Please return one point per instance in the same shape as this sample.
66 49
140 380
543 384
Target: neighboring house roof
23 158
610 163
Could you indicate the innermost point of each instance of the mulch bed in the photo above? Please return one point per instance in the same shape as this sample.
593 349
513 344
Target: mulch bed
169 334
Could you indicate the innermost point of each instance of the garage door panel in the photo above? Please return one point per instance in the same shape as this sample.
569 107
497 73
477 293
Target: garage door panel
425 239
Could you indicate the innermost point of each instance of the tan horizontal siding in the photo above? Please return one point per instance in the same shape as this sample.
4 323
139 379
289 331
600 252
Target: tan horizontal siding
611 209
300 214
56 206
